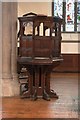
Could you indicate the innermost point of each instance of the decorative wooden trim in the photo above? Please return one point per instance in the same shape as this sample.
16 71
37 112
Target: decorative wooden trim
70 41
52 8
75 14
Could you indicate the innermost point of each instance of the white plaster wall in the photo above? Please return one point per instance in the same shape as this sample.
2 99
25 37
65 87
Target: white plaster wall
36 7
70 48
71 36
0 41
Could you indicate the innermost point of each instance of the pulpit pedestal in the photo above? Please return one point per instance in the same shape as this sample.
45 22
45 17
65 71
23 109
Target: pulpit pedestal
38 85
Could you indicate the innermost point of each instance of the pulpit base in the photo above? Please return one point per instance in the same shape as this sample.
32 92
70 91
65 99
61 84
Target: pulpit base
38 83
45 95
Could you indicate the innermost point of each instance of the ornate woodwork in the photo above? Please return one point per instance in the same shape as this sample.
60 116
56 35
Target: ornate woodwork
39 52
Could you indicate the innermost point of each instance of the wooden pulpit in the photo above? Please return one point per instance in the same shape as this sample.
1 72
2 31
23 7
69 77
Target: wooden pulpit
39 52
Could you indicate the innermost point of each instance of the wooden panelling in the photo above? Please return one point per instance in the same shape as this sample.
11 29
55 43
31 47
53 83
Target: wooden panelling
69 64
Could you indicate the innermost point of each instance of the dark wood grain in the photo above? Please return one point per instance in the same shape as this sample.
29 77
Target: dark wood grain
71 63
40 51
